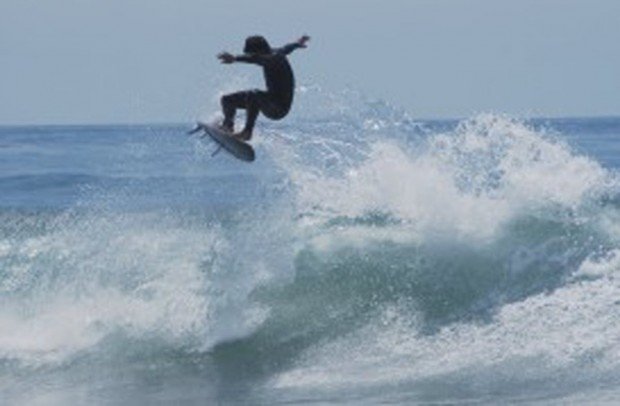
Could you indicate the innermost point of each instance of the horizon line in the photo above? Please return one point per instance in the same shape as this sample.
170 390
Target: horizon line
178 123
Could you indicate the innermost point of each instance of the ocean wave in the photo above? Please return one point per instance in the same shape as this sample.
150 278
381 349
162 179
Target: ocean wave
383 251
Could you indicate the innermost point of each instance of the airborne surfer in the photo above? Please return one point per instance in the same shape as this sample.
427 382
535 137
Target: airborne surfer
274 103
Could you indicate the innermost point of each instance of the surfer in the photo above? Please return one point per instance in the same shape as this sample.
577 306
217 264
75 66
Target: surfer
274 103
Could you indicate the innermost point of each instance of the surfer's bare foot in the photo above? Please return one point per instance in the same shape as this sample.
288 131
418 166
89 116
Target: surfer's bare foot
224 126
227 128
244 135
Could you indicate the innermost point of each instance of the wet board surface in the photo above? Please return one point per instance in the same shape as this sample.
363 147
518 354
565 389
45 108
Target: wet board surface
237 148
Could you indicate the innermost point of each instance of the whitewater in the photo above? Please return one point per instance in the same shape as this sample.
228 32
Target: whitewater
365 257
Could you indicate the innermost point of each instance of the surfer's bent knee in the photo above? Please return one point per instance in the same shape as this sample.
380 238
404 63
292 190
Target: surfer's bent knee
275 113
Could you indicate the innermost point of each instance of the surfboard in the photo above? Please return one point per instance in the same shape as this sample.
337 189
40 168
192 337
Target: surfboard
237 148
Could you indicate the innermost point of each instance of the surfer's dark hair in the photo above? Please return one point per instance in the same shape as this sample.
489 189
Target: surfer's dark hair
256 44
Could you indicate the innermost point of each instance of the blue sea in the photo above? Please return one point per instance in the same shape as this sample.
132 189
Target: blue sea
366 257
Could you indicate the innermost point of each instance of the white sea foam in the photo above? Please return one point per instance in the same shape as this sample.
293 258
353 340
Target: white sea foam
142 276
467 183
572 332
466 187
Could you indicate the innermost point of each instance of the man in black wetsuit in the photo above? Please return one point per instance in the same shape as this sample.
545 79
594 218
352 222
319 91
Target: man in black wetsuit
274 103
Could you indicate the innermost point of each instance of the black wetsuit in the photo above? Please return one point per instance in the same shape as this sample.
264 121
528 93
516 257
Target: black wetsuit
276 102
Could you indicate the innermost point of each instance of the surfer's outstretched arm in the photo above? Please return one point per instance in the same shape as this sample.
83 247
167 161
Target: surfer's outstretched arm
288 48
227 57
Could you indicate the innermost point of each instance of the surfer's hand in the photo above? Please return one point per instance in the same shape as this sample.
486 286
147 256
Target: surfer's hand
226 57
302 41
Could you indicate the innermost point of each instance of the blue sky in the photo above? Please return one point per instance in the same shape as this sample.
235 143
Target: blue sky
116 61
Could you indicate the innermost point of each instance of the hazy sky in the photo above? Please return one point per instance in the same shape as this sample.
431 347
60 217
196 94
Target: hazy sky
114 61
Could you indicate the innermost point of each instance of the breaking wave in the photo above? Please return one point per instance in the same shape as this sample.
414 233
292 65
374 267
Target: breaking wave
386 252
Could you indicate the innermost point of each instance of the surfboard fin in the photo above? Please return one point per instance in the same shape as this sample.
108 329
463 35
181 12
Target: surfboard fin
195 130
217 151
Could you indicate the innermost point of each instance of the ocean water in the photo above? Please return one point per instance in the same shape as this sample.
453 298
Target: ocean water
365 257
